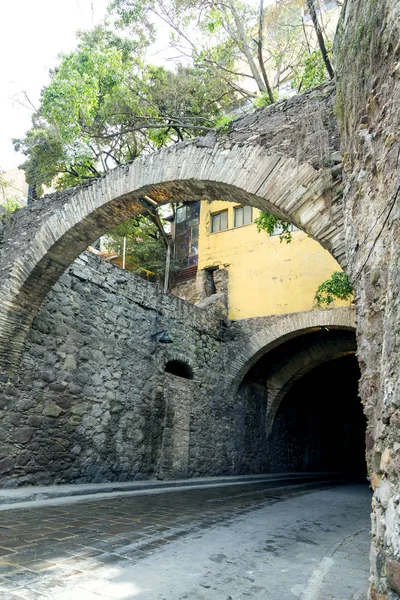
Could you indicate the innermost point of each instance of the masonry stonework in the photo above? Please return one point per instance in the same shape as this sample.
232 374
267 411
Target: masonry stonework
91 398
368 100
79 394
92 401
274 159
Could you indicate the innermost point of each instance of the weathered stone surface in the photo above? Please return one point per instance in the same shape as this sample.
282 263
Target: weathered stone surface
368 97
23 435
118 415
6 465
393 575
51 410
272 159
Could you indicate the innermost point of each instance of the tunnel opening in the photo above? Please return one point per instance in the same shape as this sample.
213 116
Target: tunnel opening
320 425
179 369
298 407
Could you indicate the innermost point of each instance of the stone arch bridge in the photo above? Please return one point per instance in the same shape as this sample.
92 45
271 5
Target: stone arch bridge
279 158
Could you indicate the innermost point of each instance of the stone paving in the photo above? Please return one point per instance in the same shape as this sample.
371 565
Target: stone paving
259 541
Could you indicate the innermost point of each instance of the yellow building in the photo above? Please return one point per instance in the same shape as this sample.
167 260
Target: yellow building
265 276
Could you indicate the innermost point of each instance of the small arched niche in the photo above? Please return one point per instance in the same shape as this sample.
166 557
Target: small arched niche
179 369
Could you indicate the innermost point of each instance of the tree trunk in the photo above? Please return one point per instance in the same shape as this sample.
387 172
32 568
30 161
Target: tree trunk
320 37
260 51
245 47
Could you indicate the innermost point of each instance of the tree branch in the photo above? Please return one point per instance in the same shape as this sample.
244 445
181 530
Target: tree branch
320 38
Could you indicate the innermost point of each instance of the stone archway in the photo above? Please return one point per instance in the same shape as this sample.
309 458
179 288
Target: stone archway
300 364
272 159
270 389
258 336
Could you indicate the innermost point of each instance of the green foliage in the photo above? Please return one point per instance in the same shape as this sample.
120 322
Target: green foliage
311 73
337 286
104 107
262 100
9 204
145 250
224 122
269 223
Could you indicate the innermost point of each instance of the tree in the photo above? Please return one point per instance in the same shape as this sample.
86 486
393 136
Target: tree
246 46
320 37
145 247
104 107
337 286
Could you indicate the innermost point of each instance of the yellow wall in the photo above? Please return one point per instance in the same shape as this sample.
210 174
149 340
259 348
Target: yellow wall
266 277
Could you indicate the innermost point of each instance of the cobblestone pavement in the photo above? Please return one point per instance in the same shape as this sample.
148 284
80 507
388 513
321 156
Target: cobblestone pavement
230 543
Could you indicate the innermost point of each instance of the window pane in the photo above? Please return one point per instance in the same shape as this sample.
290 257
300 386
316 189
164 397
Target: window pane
277 230
215 222
247 215
181 214
219 222
224 220
238 217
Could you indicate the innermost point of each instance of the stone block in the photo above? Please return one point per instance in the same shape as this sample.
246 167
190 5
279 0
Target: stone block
51 410
23 435
6 465
34 421
393 575
385 460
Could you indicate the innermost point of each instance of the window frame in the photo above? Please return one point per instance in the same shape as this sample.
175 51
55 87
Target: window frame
242 208
291 229
214 216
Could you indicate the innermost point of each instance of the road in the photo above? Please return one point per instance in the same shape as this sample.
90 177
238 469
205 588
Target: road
266 541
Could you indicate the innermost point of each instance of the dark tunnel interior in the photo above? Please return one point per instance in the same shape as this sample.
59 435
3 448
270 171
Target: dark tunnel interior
320 425
298 407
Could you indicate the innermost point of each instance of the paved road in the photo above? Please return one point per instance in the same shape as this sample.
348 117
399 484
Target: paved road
260 541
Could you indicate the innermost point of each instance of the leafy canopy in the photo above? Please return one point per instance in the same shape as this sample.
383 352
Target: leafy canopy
104 107
270 223
337 286
145 251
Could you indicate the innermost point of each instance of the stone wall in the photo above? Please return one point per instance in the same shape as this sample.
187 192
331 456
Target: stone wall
368 100
275 159
91 400
179 394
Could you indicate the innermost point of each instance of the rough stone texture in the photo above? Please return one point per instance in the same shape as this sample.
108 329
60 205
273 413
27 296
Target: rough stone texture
92 401
393 575
368 100
273 159
186 290
180 394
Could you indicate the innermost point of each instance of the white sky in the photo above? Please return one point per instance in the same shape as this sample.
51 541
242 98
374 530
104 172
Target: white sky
32 34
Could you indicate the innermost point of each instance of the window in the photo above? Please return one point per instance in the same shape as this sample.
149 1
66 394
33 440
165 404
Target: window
187 234
219 221
181 214
278 229
243 216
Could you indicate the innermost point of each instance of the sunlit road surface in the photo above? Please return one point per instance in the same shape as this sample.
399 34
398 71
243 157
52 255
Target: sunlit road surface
263 541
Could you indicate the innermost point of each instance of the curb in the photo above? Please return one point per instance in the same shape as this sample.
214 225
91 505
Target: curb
34 496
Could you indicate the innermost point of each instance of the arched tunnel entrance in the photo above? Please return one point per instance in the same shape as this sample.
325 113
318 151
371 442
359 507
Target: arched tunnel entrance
319 425
299 408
